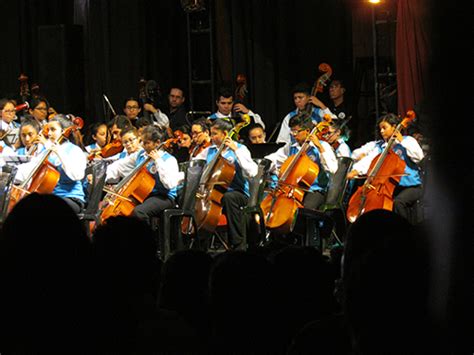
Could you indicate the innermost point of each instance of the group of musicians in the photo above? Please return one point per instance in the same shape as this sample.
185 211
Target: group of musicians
146 152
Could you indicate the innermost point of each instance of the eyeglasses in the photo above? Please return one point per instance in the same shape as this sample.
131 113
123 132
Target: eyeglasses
132 107
294 132
129 141
9 111
41 109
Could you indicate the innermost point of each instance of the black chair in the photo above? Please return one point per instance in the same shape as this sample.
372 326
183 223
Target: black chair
253 210
336 201
169 230
91 212
320 225
7 176
419 211
255 220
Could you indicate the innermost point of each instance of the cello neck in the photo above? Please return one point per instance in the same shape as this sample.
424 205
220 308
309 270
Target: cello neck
304 148
135 171
384 153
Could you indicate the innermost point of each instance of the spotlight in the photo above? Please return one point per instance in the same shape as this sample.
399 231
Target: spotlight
193 5
374 1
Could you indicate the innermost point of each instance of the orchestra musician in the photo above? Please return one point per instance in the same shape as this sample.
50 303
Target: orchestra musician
181 146
67 158
301 98
226 107
163 167
98 132
320 152
176 108
200 134
132 110
237 194
39 108
256 134
9 127
409 189
117 124
336 140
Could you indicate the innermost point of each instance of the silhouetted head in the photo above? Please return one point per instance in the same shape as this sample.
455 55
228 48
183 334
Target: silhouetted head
385 278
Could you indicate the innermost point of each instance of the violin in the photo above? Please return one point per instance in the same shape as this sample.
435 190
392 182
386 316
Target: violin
297 174
108 150
195 149
385 172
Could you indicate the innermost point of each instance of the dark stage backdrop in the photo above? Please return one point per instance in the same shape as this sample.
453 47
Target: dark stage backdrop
276 44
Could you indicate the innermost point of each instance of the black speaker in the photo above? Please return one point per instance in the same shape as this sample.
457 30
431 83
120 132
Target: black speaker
61 67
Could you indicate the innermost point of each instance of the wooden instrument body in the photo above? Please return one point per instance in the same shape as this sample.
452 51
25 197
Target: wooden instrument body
377 193
208 207
385 172
43 182
280 206
132 194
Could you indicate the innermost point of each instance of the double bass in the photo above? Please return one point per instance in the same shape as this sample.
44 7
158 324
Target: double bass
214 182
385 172
319 85
295 177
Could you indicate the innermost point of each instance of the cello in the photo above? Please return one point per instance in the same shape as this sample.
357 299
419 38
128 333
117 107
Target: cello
385 172
44 177
297 173
214 182
131 191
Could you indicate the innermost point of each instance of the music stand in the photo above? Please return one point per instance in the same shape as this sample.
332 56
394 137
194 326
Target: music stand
259 151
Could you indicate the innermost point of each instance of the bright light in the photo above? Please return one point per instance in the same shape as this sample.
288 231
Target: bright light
374 1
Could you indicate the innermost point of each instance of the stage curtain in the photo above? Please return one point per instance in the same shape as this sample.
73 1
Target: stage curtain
412 53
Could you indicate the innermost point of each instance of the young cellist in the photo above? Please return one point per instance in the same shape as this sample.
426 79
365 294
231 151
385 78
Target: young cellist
66 157
237 194
320 152
409 189
162 166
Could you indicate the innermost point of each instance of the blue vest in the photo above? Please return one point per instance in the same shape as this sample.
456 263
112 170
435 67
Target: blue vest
314 117
158 189
91 147
239 182
412 170
65 186
321 182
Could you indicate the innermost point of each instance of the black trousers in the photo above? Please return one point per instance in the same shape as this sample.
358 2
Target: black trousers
152 207
312 200
232 203
405 198
76 204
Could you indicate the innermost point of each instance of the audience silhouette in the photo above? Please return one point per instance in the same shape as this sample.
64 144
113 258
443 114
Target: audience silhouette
46 302
63 292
